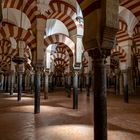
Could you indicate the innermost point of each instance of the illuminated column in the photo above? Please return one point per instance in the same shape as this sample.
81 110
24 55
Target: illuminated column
121 89
38 63
69 84
117 81
32 73
21 46
100 105
127 45
75 89
46 84
37 82
6 81
125 76
11 81
88 83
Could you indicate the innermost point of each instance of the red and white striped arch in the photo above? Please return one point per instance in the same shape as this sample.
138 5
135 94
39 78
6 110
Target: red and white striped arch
122 34
61 49
29 7
59 56
61 38
66 13
18 33
136 36
136 52
85 62
133 6
119 52
7 52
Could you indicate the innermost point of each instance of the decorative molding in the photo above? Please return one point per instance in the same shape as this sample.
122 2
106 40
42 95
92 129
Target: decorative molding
43 6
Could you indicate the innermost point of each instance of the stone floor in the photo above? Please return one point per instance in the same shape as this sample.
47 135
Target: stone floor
58 121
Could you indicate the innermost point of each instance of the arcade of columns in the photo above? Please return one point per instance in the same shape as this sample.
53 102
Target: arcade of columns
32 59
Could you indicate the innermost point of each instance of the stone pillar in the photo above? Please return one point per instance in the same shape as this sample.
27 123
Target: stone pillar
117 82
69 85
121 81
81 82
20 74
107 81
6 81
38 61
100 106
32 81
2 81
27 81
37 82
11 82
130 81
46 84
75 89
138 72
87 84
51 82
125 75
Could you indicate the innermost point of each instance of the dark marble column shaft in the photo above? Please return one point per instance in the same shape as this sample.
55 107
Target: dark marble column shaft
46 84
75 90
117 84
20 74
11 82
37 82
125 75
100 105
32 82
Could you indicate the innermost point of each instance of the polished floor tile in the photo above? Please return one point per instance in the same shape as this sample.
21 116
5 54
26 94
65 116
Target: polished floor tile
58 121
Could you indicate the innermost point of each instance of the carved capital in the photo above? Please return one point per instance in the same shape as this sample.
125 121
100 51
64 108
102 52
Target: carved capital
42 6
46 72
99 53
124 71
38 67
76 72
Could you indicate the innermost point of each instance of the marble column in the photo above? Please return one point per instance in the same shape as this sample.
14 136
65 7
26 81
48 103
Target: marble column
69 85
81 82
100 105
121 79
11 82
51 82
75 89
125 75
46 84
130 81
88 84
20 74
7 82
37 82
117 82
32 81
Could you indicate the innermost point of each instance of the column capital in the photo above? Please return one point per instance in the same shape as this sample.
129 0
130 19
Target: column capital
98 53
46 72
38 66
124 71
76 71
11 71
